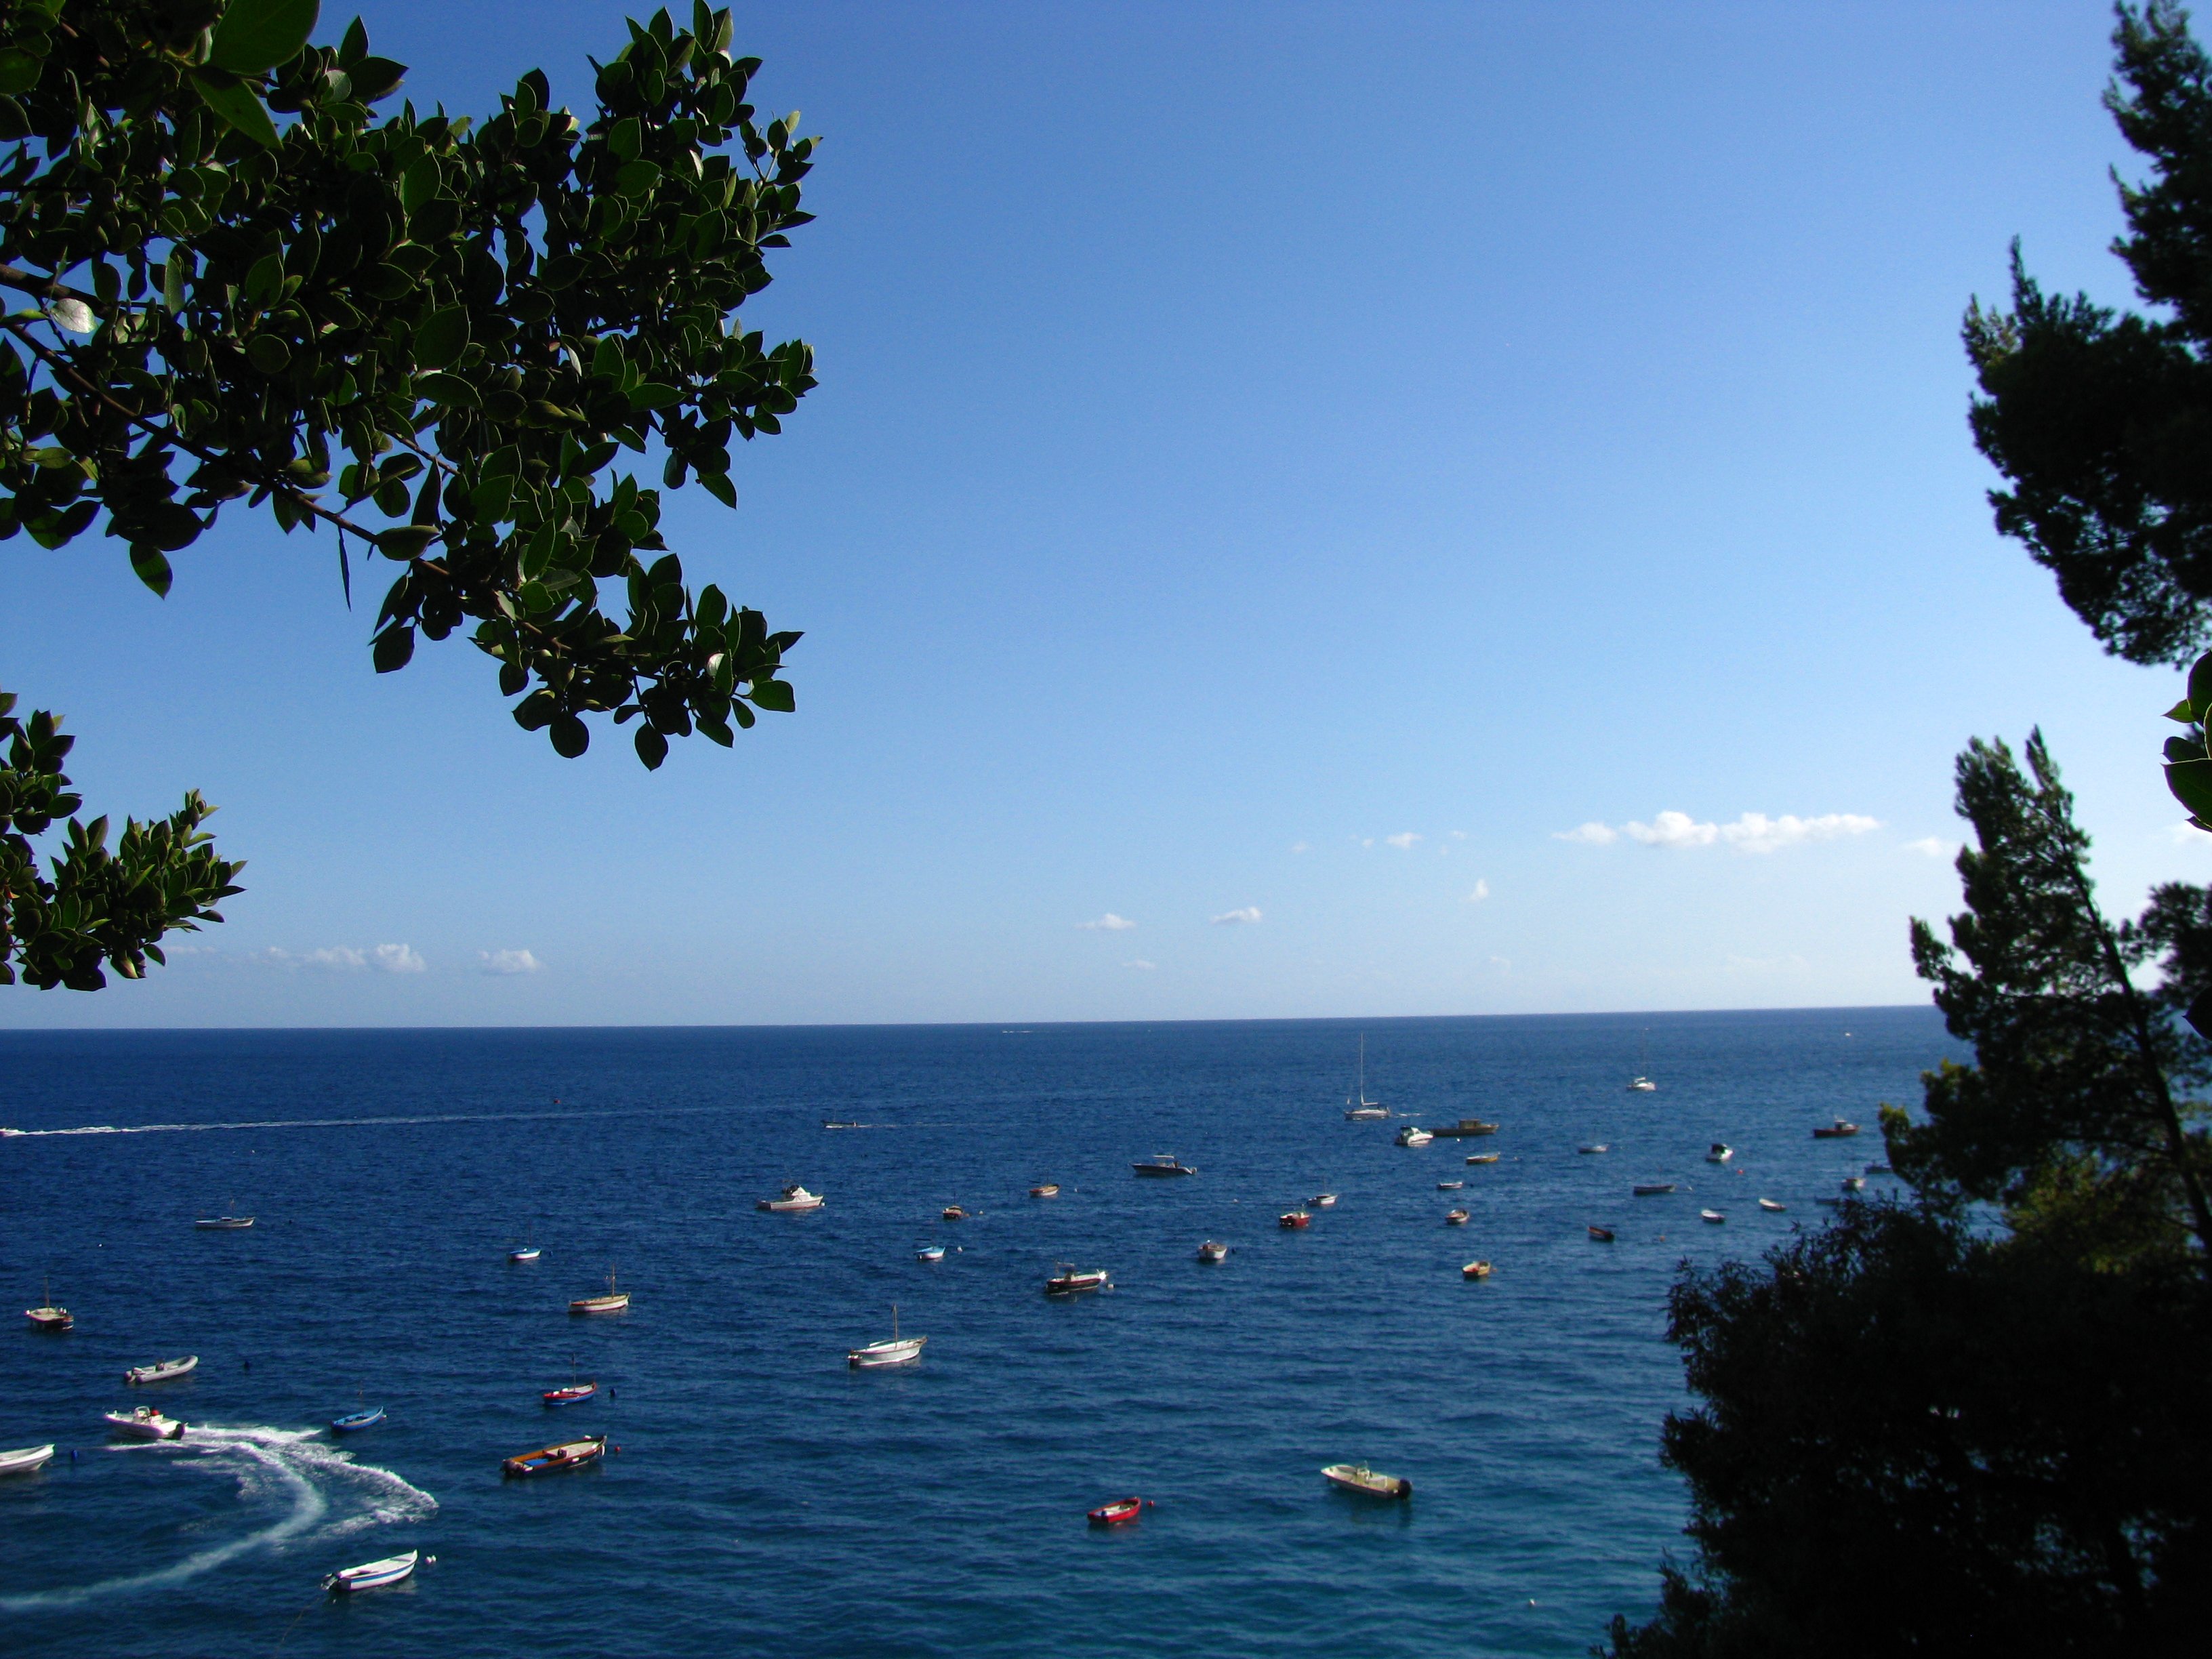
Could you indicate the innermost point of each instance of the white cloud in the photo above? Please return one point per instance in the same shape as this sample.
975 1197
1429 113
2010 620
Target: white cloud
1590 834
344 958
1249 912
507 962
1934 846
336 956
1108 923
1459 834
396 959
1300 847
1140 962
1503 964
2183 834
1403 841
1753 832
1481 892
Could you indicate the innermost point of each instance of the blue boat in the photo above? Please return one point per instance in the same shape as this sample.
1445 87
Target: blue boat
360 1419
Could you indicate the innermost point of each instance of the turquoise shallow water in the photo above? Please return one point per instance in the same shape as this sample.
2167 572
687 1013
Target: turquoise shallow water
766 1499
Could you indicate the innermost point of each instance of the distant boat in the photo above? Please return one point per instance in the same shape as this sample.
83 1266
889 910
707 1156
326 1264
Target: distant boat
1483 1157
1587 1146
570 1394
223 1223
1713 1216
1119 1511
1640 1083
1770 1207
568 1455
1449 1186
1880 1169
1603 1235
1210 1251
48 1318
23 1462
1475 1270
614 1301
1294 1219
1068 1281
1366 1482
795 1200
930 1252
367 1417
1466 1126
1164 1164
1454 1218
882 1356
147 1423
953 1212
161 1370
1049 1189
372 1575
526 1253
835 1123
1854 1183
1321 1201
1414 1136
1360 1110
1836 1131
1652 1188
1719 1153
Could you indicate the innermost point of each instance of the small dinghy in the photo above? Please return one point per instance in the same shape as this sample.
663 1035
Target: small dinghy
147 1423
1049 1189
1068 1281
23 1462
1603 1235
1590 1146
1839 1130
1454 1218
1770 1207
372 1575
1449 1186
1366 1482
526 1253
954 1212
1294 1219
1475 1270
223 1223
1321 1201
1719 1153
1652 1188
1413 1135
1713 1216
1121 1510
162 1371
570 1396
796 1200
1483 1157
882 1356
930 1252
568 1455
1210 1251
614 1301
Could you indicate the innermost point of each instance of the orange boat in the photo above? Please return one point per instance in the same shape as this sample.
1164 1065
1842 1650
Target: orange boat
1120 1510
568 1455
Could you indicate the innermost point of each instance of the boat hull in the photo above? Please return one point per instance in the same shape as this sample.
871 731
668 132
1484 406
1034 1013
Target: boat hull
49 1319
1210 1251
1455 1219
934 1253
1653 1190
1293 1220
167 1370
374 1575
1072 1284
601 1304
1363 1482
573 1395
225 1224
1602 1235
23 1462
1464 1127
546 1460
885 1356
522 1255
1121 1511
154 1426
1770 1207
1050 1189
1839 1131
1163 1169
1475 1270
353 1422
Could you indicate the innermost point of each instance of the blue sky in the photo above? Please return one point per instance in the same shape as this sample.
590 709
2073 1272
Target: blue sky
1279 471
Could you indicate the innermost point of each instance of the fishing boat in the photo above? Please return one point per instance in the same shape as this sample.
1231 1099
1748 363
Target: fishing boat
568 1455
1454 1218
1770 1207
1587 1146
1210 1251
23 1462
1120 1510
1321 1201
1466 1126
372 1574
1164 1164
162 1369
1359 1108
1838 1130
1483 1157
1049 1189
614 1301
48 1318
953 1212
571 1394
1294 1219
1413 1135
1449 1186
1719 1153
882 1356
367 1418
796 1200
524 1253
1652 1188
1068 1281
1603 1235
147 1423
1366 1482
930 1252
1475 1270
223 1224
1713 1216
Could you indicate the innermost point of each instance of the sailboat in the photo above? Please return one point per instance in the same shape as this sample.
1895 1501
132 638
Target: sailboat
614 1301
1640 1083
363 1416
880 1356
49 1318
1359 1108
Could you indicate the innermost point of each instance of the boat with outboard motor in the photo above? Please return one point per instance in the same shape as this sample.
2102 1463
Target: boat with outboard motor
1412 1135
1164 1164
162 1369
1210 1251
1068 1280
146 1422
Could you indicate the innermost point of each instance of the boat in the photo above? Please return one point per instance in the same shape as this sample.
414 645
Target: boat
147 1423
1068 1281
1321 1201
1719 1153
372 1575
1210 1251
1049 1189
1603 1235
1587 1146
1358 1478
1360 1110
568 1455
1854 1183
1454 1218
49 1318
1652 1188
613 1302
1483 1157
838 1123
882 1356
1640 1084
1449 1186
162 1371
1770 1207
1414 1136
1838 1130
1475 1270
223 1224
571 1394
367 1417
1713 1216
1120 1510
1880 1169
1164 1164
930 1252
1466 1126
954 1212
23 1462
524 1253
796 1200
1643 1086
1294 1219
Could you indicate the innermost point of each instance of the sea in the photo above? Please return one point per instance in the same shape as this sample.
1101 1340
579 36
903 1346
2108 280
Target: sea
763 1498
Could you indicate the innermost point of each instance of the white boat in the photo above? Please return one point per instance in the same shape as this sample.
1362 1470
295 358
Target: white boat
1358 1108
147 1423
795 1199
223 1223
1475 1270
614 1301
930 1252
1719 1153
1854 1183
882 1356
524 1253
49 1318
1454 1218
1641 1084
372 1575
1713 1216
1321 1201
1594 1146
161 1370
1449 1186
1358 1478
1770 1207
1164 1164
1413 1135
1210 1251
1068 1281
1483 1157
23 1462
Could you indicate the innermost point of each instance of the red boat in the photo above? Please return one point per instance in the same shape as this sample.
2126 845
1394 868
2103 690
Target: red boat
572 1454
1294 1219
1120 1510
571 1394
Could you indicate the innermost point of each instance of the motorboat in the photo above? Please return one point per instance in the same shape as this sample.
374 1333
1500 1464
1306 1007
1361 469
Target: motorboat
1321 1201
23 1462
162 1369
1049 1189
1118 1512
882 1356
571 1394
1713 1216
614 1301
930 1252
1414 1136
1164 1164
1588 1147
1068 1281
1719 1153
1466 1126
953 1212
1854 1183
1641 1085
223 1223
147 1423
1366 1482
1838 1130
1475 1270
372 1575
1483 1157
1603 1235
1454 1218
526 1253
568 1455
1770 1207
1294 1219
367 1418
796 1200
838 1123
49 1318
1210 1251
1359 1108
1449 1186
1652 1188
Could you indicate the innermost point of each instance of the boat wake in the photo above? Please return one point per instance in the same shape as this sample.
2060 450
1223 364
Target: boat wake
318 1493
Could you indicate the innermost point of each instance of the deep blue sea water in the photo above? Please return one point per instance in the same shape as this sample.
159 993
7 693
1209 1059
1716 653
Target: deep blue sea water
765 1499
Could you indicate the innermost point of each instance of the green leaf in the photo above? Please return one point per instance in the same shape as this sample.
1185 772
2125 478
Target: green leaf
570 736
392 648
269 354
652 748
2183 711
153 569
405 542
418 184
2200 682
651 394
773 695
2191 784
637 179
447 389
256 35
236 103
442 337
19 71
375 78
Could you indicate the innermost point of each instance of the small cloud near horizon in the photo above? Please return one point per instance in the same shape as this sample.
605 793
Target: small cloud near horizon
1403 841
1752 832
1588 834
1108 923
397 959
1140 963
1249 912
507 962
344 958
1481 892
1934 846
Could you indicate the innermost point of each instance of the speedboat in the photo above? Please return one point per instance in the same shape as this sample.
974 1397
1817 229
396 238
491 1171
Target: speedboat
882 1356
161 1370
1603 1235
1475 1270
1321 1201
1587 1146
223 1223
1164 1164
1049 1189
1413 1135
570 1394
1719 1153
795 1199
568 1455
1454 1218
23 1462
372 1575
1210 1251
1358 1478
1836 1131
1068 1281
1449 1186
147 1423
1652 1188
614 1301
1294 1219
367 1417
1484 1158
1120 1510
1713 1216
1770 1207
838 1123
930 1252
526 1253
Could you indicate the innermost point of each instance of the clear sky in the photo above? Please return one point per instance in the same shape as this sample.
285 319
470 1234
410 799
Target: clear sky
1278 472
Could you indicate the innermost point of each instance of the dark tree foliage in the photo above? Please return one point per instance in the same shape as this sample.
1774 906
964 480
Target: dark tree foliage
94 905
2101 421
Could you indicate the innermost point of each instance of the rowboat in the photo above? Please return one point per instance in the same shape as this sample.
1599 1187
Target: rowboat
1454 1218
613 1302
1358 1478
1475 1270
23 1462
568 1455
796 1200
882 1356
161 1370
1587 1146
1770 1207
147 1423
1321 1201
1210 1251
1049 1189
1467 1126
1068 1281
1719 1153
1836 1131
49 1318
1603 1235
1652 1188
1449 1186
367 1417
526 1253
1164 1164
1484 1158
223 1224
954 1212
1294 1219
1713 1216
1413 1135
930 1252
570 1394
372 1575
1120 1509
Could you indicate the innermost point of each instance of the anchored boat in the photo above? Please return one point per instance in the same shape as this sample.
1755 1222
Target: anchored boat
1719 1153
1838 1130
571 1394
1210 1251
796 1200
1366 1482
1466 1126
1591 1146
526 1253
1120 1510
223 1223
161 1370
1603 1235
568 1455
372 1575
882 1356
1294 1219
49 1318
1413 1135
614 1301
1454 1218
1164 1164
1482 1157
1652 1188
1068 1281
1049 1189
23 1462
1359 1108
1713 1216
1321 1201
1770 1207
1475 1270
930 1252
